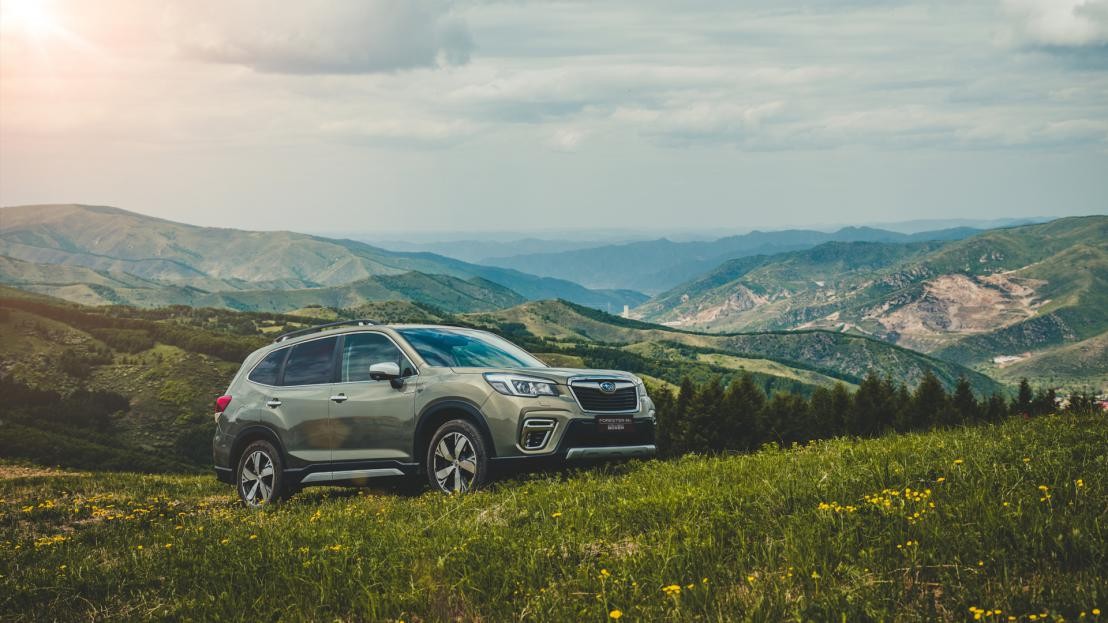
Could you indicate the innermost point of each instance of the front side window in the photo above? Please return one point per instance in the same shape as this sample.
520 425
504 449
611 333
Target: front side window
362 350
266 370
310 363
466 348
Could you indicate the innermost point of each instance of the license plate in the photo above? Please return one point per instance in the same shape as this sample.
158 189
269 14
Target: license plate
615 424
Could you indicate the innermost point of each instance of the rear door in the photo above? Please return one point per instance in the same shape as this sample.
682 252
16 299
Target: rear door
303 399
372 420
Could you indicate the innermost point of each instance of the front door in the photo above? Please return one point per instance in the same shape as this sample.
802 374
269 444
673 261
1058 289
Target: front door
371 420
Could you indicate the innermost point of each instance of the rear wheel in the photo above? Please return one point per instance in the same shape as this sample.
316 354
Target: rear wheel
457 461
260 475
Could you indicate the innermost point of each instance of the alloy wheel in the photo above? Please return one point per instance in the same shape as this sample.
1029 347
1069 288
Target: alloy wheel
256 481
455 463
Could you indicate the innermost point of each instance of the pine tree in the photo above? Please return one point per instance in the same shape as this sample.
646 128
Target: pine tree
1022 404
929 404
1044 402
964 403
665 410
785 415
821 414
739 414
686 396
863 415
996 409
702 423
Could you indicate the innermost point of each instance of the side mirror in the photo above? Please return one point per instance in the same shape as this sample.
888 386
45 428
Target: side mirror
386 371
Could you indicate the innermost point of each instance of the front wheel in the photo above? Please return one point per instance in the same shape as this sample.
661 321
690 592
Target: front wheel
457 461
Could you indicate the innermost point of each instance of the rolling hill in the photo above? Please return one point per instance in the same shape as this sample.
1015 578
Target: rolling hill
999 293
656 265
160 368
128 254
836 355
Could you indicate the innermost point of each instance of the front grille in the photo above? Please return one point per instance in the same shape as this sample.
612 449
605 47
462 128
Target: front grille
594 400
588 434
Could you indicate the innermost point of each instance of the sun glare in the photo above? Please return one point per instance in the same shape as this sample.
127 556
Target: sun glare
33 17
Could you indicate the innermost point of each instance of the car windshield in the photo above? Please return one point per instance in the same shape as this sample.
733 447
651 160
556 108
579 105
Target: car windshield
463 348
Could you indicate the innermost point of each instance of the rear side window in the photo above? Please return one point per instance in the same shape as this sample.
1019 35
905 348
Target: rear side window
266 371
362 350
310 363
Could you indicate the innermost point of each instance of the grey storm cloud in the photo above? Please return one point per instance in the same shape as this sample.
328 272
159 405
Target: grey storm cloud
327 37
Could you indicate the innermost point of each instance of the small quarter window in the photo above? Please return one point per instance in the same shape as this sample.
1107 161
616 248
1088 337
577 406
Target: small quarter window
266 371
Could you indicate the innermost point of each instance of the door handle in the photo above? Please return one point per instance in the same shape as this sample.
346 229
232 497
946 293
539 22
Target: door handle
273 403
339 398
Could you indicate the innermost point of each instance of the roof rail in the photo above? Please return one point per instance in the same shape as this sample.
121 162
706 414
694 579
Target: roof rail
321 327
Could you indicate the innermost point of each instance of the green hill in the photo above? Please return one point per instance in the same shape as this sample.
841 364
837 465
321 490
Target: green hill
149 261
980 523
1002 292
166 365
843 356
96 287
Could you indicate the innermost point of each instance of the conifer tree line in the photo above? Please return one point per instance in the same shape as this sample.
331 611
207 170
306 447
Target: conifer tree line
740 417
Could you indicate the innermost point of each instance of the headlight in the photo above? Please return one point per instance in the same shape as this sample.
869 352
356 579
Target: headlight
516 385
640 387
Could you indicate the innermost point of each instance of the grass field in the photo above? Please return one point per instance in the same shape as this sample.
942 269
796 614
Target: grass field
995 523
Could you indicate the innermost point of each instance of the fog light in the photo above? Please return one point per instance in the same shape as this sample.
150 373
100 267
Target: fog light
536 433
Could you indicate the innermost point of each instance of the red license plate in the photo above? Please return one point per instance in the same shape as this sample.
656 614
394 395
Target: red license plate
615 424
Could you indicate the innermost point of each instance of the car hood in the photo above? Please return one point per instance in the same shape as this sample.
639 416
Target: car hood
560 376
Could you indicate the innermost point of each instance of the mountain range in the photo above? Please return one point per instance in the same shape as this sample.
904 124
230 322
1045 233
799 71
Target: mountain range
653 266
1005 295
1024 300
115 256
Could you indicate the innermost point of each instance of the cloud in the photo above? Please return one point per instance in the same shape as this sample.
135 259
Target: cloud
404 130
566 139
1060 23
324 36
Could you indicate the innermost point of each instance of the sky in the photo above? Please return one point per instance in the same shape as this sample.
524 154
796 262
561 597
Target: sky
401 115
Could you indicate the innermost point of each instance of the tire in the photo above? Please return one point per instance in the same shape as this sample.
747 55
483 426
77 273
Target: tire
457 458
259 477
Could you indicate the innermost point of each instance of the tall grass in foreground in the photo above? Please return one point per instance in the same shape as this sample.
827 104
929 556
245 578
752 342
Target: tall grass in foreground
985 523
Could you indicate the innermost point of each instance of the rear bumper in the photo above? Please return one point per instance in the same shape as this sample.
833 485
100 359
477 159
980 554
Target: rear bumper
224 474
612 452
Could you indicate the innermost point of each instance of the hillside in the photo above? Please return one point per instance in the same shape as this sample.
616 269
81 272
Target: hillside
90 287
182 260
656 265
1002 292
158 370
842 356
994 521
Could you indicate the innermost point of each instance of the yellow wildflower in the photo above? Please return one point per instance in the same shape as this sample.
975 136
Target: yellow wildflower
958 461
673 590
557 514
615 614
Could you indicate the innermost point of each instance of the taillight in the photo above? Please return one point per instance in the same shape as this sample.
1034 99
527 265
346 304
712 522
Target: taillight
221 403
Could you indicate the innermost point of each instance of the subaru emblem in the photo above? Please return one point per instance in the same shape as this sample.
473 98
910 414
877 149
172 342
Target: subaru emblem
608 387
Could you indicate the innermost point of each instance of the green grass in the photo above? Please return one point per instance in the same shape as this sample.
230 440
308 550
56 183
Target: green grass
743 537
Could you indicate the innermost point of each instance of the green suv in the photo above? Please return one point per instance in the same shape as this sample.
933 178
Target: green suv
347 402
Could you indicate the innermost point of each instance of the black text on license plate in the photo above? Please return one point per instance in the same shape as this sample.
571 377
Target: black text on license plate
615 424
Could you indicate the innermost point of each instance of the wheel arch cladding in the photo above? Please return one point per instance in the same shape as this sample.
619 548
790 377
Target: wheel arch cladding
248 436
438 413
